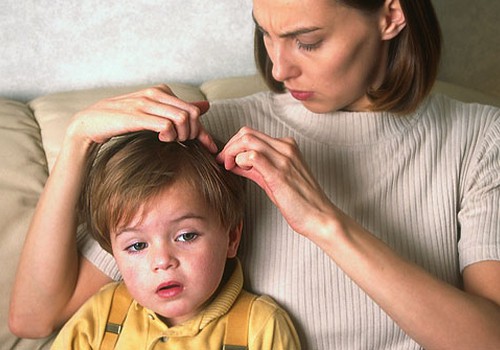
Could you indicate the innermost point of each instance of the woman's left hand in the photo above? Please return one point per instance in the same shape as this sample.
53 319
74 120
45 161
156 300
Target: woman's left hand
276 165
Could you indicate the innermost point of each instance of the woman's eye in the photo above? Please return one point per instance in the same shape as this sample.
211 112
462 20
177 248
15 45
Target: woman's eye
136 247
308 47
187 237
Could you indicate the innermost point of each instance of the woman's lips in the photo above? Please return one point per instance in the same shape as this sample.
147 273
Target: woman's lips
169 289
301 95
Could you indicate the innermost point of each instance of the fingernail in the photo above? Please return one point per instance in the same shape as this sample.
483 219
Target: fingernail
203 106
219 159
213 147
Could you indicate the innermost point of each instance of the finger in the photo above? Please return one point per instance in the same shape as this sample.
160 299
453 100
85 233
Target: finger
244 160
166 116
178 120
173 125
168 133
165 95
185 116
231 149
190 127
206 140
203 106
254 169
246 139
156 108
160 100
162 94
121 123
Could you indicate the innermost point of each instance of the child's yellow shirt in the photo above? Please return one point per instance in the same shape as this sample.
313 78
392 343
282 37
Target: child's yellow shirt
270 326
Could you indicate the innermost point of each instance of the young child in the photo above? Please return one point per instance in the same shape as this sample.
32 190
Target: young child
172 218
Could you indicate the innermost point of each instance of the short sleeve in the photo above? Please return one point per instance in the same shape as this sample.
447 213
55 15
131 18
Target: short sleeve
270 327
93 252
479 215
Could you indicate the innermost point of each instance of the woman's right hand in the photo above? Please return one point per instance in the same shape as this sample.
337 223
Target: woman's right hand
155 108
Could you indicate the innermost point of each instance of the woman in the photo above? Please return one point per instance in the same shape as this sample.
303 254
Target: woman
393 193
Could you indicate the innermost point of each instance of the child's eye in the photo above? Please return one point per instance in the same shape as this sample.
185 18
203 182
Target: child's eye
136 247
186 237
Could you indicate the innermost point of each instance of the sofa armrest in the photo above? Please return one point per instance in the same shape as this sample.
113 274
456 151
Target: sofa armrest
23 172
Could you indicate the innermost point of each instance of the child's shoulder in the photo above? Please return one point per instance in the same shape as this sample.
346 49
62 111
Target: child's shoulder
82 330
109 289
101 301
270 324
265 302
264 308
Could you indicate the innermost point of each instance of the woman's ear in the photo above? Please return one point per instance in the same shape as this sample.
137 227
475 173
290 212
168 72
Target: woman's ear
393 19
234 240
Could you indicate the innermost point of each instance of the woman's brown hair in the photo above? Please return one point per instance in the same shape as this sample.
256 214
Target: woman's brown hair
131 170
413 57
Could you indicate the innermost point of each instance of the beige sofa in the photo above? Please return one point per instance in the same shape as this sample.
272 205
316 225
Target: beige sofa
31 134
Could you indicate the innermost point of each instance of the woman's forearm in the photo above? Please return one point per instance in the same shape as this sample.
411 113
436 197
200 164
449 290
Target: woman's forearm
434 313
48 268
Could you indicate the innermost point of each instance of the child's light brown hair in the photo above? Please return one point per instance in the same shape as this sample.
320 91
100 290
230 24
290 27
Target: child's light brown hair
130 170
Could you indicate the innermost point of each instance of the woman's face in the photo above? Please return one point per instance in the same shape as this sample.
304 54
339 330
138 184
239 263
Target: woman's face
326 54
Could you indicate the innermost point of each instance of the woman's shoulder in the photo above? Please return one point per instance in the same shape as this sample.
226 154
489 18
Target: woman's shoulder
442 113
453 108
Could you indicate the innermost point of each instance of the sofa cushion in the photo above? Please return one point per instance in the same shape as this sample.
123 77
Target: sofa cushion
233 87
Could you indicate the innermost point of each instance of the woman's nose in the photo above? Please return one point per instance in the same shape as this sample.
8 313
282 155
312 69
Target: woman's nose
284 67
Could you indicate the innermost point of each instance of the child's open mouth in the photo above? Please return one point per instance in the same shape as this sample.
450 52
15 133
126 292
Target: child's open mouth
169 289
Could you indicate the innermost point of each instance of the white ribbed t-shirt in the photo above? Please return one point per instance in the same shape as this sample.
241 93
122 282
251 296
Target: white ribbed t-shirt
427 184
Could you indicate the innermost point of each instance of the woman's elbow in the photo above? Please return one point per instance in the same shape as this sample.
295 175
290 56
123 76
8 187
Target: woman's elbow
27 326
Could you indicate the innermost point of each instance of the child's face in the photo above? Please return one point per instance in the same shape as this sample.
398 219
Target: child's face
173 260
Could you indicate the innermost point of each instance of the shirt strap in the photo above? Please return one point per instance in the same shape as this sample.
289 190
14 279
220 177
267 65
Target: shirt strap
120 304
236 337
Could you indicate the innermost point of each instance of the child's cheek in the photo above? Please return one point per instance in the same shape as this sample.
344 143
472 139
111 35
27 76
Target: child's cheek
132 278
127 267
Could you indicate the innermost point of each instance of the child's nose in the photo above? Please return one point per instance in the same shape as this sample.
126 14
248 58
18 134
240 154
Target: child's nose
163 260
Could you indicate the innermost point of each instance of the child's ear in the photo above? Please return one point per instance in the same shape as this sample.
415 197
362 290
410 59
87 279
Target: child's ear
234 240
393 20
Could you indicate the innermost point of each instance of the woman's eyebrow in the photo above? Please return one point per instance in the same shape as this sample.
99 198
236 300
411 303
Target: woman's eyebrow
290 34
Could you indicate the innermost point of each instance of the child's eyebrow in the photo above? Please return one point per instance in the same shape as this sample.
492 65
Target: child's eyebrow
121 230
290 34
187 216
